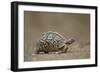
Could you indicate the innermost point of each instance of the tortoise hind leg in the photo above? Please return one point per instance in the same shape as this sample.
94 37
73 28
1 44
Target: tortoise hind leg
37 52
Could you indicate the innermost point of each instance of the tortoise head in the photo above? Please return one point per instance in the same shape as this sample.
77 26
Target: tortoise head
70 41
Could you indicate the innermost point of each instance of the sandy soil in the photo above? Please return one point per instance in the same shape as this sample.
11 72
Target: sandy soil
72 53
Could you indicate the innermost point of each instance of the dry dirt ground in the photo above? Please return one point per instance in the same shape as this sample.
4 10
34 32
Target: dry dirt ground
76 52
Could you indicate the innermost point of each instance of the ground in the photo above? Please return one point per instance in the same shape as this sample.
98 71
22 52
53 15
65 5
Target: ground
76 52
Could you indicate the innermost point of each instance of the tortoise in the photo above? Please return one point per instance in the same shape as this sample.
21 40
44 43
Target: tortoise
52 42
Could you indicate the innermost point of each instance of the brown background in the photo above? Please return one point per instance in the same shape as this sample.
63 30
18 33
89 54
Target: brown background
67 24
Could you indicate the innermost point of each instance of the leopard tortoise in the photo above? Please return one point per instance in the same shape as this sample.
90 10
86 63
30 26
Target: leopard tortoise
52 42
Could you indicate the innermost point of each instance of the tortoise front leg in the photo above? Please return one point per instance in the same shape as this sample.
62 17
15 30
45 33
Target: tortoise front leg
63 49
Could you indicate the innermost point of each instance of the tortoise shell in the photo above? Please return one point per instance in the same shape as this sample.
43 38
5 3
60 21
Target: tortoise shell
50 41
